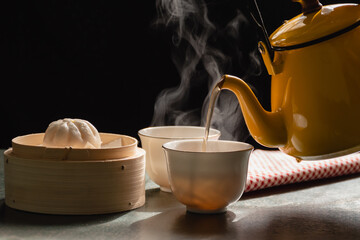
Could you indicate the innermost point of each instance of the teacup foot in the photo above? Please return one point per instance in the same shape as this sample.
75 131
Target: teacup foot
195 210
165 189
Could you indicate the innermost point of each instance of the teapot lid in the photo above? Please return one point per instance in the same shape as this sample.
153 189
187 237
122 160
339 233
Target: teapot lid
312 26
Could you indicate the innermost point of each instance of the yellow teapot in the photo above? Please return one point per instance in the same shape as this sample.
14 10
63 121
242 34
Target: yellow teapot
314 62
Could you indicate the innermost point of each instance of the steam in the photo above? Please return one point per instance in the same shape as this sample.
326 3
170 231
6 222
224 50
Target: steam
199 58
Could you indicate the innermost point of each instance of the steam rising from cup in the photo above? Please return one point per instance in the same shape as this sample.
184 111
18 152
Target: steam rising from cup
200 58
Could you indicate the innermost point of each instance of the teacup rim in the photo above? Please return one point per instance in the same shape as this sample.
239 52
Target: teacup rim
141 132
249 146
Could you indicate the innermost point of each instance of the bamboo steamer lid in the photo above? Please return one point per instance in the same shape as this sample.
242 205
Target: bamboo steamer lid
114 146
75 181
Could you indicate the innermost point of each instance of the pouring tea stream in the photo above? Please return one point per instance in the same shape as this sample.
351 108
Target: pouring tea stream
315 85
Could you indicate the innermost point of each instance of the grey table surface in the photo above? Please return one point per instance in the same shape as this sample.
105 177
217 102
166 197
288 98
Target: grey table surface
322 209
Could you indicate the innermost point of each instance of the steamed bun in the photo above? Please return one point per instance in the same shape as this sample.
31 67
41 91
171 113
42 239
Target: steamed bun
75 133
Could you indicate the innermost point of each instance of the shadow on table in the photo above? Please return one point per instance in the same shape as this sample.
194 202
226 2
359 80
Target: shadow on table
270 223
159 201
178 222
9 216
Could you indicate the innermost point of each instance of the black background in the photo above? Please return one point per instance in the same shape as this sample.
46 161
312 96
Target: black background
104 61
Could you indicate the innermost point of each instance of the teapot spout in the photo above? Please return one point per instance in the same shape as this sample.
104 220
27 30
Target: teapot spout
267 128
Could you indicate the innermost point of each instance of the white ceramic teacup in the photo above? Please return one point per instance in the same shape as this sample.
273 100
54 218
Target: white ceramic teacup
152 139
207 182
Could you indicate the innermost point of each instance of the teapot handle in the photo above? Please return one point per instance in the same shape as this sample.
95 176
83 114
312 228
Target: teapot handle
309 6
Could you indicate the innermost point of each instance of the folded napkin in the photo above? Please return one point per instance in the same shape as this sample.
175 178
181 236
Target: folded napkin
273 168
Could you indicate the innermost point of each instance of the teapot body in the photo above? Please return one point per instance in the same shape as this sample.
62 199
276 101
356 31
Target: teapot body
317 91
315 88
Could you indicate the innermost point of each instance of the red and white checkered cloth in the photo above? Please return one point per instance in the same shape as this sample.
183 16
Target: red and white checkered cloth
273 168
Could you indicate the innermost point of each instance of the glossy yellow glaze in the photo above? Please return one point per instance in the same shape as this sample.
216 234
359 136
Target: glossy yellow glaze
267 128
315 100
308 27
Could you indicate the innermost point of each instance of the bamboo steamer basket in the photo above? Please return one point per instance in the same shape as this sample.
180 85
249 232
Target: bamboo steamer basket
73 180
